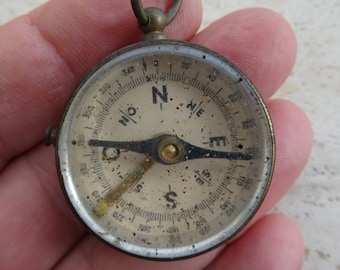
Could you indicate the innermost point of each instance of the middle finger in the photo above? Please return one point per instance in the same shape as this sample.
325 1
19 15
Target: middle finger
258 41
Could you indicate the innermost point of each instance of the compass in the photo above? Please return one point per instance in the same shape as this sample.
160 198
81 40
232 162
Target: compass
165 149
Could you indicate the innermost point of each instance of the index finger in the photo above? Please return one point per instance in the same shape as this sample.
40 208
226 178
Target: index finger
44 54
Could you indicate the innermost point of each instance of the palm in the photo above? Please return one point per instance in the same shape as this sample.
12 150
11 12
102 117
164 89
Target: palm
44 54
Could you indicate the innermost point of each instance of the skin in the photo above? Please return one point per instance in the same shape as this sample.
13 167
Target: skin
42 57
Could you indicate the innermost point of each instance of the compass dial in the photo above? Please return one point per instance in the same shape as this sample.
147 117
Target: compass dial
165 150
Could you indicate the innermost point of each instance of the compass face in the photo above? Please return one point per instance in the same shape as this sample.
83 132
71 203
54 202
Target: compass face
165 150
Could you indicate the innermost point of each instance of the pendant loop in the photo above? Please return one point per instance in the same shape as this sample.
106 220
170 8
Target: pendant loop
152 20
143 16
139 11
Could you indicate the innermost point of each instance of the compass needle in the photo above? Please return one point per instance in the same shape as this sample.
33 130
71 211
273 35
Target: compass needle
131 180
186 121
169 149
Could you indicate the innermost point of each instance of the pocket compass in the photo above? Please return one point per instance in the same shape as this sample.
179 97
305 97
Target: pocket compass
165 149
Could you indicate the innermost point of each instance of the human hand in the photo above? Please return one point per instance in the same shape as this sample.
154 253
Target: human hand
43 56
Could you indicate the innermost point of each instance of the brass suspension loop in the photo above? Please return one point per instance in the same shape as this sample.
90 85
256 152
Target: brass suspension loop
152 20
143 16
139 11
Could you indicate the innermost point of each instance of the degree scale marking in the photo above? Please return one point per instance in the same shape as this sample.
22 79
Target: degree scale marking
111 197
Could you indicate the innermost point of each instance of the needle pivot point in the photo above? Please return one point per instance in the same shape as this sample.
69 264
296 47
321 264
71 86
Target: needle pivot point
170 150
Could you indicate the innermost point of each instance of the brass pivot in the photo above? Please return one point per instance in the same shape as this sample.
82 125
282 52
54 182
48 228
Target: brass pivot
170 150
152 20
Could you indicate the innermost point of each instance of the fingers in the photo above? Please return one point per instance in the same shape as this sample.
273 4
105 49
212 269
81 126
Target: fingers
51 49
258 41
272 243
44 54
